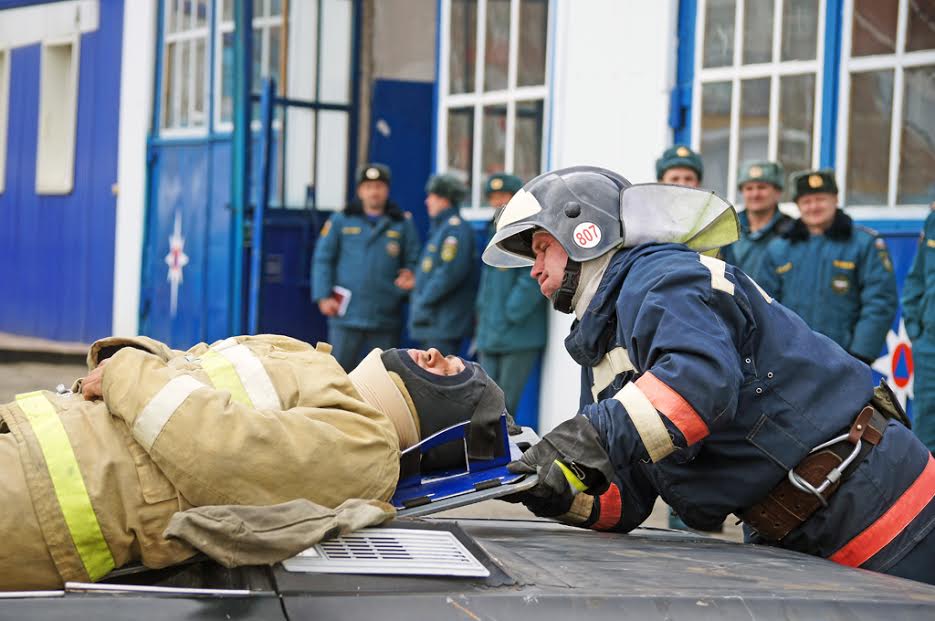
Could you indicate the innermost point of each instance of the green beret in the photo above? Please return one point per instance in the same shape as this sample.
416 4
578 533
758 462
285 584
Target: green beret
677 156
447 186
373 172
503 182
767 172
813 182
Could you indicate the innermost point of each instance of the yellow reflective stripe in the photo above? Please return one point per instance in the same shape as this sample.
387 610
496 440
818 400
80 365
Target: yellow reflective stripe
647 421
224 376
150 422
253 376
576 483
615 362
718 274
69 487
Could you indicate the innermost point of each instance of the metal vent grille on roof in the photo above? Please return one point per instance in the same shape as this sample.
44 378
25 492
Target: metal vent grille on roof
390 551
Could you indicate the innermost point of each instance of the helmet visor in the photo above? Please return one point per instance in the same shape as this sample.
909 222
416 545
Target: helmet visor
511 246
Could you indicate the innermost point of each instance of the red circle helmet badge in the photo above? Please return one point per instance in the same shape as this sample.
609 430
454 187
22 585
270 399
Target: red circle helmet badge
901 365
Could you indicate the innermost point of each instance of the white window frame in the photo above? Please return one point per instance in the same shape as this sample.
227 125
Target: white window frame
899 62
55 154
264 23
178 37
4 112
480 99
737 72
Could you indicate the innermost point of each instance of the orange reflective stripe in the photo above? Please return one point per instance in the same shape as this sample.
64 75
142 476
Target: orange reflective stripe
879 534
674 407
611 509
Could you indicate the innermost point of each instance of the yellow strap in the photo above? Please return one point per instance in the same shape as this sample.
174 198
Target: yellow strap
224 376
647 421
69 487
576 483
614 362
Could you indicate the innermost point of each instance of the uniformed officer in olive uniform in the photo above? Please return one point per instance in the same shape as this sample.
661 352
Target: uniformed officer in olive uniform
836 275
679 165
370 249
919 315
761 185
511 313
446 281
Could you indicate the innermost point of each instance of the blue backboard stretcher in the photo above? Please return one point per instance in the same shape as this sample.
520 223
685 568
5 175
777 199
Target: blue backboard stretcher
481 479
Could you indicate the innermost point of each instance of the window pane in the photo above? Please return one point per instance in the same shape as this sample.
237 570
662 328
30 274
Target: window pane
497 48
227 77
796 121
185 69
715 134
799 29
754 120
868 137
527 148
461 142
493 146
168 87
331 174
917 151
463 41
533 32
758 32
275 7
257 57
186 15
719 33
335 67
275 41
201 79
257 8
169 11
227 10
921 34
874 27
300 156
201 14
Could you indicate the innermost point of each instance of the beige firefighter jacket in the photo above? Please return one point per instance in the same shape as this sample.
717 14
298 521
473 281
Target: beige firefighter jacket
252 420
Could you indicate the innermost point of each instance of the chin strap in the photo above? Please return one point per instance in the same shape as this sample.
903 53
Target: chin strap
562 300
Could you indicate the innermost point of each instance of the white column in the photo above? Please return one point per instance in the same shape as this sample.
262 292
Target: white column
136 99
614 68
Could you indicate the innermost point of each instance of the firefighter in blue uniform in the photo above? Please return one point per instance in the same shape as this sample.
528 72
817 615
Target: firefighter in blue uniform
442 311
919 315
700 388
836 275
679 165
761 185
370 249
511 315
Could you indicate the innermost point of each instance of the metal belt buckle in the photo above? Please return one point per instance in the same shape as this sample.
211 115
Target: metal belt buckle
832 477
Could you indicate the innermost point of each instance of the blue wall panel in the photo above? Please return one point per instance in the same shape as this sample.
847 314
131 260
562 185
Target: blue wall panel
57 252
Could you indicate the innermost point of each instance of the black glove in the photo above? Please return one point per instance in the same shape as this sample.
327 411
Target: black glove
570 454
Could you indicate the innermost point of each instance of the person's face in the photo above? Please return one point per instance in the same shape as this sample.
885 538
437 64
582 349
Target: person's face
551 259
373 195
760 196
433 361
679 175
818 210
436 204
499 198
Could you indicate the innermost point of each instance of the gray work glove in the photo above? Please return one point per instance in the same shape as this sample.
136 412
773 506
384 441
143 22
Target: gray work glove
569 459
236 535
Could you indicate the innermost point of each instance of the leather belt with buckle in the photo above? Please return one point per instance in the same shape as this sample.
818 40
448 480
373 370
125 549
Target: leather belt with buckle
809 485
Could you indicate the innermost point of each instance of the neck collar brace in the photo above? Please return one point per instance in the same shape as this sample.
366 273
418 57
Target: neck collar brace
379 391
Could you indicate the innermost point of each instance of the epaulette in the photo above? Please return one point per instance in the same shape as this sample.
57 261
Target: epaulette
868 230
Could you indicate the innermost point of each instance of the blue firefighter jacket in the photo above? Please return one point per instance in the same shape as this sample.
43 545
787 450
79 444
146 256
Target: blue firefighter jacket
511 312
748 252
744 388
446 281
919 292
841 283
365 257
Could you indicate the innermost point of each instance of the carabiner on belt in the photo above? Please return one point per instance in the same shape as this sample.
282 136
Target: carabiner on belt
832 477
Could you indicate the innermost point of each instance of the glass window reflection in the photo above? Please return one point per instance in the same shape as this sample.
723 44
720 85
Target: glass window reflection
868 137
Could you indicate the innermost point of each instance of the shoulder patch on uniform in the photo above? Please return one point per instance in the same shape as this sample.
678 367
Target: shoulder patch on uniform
394 234
879 243
325 229
454 220
785 267
844 265
885 259
449 248
930 243
427 264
